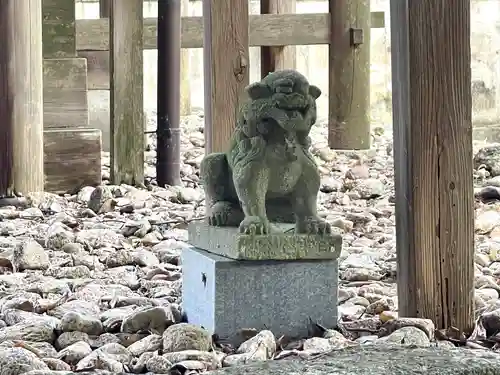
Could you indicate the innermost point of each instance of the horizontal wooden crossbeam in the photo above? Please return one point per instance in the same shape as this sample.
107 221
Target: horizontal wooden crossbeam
264 30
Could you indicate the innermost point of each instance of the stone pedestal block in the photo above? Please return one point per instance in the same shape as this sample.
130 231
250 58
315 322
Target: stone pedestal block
225 295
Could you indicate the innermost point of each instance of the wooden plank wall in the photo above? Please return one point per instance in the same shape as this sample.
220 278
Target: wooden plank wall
72 152
65 82
72 159
65 93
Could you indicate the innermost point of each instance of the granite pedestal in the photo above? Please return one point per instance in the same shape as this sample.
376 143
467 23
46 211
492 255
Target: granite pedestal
226 295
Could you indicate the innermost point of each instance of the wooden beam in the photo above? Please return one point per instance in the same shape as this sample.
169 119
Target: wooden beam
226 70
126 96
433 160
21 93
72 159
281 57
58 28
349 75
264 30
65 93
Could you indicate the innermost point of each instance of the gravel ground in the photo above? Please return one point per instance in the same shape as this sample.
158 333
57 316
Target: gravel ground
91 282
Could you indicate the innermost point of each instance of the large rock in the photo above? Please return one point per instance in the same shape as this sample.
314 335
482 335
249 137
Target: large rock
489 157
376 360
184 336
16 361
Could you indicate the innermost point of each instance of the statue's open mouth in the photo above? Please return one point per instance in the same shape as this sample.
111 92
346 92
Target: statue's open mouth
291 102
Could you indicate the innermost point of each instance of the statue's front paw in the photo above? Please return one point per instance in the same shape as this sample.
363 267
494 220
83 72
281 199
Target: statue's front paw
255 225
313 225
219 214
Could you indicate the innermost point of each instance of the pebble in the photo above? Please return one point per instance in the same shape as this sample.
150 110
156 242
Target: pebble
92 281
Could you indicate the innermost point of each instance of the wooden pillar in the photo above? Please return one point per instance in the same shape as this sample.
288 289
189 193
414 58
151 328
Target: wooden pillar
349 75
281 57
104 8
21 93
185 67
496 66
126 92
433 160
59 40
225 64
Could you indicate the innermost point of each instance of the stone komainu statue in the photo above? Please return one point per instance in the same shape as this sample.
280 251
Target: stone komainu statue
268 173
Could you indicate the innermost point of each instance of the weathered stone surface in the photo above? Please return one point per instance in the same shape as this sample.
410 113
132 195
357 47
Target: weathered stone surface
268 172
229 242
489 158
376 360
225 295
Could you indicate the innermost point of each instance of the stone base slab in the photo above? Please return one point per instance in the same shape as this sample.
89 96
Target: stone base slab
281 245
225 295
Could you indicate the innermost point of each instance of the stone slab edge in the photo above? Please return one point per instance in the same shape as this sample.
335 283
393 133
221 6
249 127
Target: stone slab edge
228 242
380 360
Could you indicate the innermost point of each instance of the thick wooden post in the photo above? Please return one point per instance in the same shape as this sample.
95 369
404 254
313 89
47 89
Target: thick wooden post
225 64
349 75
126 92
21 93
433 160
281 57
168 153
185 69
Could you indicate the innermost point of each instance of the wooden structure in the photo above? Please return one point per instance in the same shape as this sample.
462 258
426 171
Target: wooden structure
185 97
127 122
277 57
104 8
21 89
75 162
226 67
349 78
433 160
273 31
432 112
72 158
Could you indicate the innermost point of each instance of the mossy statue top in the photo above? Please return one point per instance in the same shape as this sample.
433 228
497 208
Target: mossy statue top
268 174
